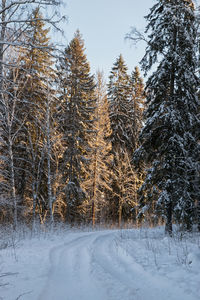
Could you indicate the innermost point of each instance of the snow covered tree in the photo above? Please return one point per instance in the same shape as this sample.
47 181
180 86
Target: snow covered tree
11 125
15 19
123 98
198 58
77 109
137 95
127 183
120 106
38 105
169 138
138 98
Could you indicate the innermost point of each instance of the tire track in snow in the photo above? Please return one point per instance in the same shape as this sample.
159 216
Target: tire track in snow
70 276
95 267
129 277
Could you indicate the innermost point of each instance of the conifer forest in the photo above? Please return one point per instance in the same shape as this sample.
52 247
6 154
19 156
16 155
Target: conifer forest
79 148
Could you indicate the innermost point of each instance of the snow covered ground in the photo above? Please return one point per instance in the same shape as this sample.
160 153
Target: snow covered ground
140 264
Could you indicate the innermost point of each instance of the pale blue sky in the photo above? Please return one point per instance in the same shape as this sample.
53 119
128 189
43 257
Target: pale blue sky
104 24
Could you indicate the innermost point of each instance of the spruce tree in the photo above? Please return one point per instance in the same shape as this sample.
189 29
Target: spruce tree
120 106
99 156
138 98
38 106
123 120
169 138
137 95
78 104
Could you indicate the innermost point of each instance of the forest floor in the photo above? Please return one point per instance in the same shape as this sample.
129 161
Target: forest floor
134 264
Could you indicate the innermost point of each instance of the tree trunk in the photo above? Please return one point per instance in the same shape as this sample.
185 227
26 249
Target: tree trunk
49 183
120 214
2 38
12 180
93 213
168 226
198 214
34 206
94 190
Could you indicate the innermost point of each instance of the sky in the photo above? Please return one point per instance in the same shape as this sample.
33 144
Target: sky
104 24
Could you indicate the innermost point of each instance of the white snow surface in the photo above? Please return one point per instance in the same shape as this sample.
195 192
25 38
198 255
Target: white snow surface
134 264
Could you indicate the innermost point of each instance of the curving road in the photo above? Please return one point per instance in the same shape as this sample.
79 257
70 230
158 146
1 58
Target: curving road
94 266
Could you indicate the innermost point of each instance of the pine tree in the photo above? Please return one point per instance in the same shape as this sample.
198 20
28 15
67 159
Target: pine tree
169 138
78 105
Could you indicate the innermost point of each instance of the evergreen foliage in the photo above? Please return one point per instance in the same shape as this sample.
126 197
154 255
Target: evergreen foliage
98 180
120 107
169 139
137 95
76 150
38 105
125 97
76 115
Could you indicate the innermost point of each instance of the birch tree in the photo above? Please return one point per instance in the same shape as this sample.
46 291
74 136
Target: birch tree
39 102
15 17
15 21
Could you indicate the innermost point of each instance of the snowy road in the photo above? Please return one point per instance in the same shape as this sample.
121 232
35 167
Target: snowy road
96 266
80 264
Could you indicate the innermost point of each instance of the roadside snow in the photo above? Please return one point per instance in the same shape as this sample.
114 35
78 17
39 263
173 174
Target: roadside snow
132 264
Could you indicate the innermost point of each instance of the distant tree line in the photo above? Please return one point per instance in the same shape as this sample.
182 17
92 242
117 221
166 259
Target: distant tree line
77 150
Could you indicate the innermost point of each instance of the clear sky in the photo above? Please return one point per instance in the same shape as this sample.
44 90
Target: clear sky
104 24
